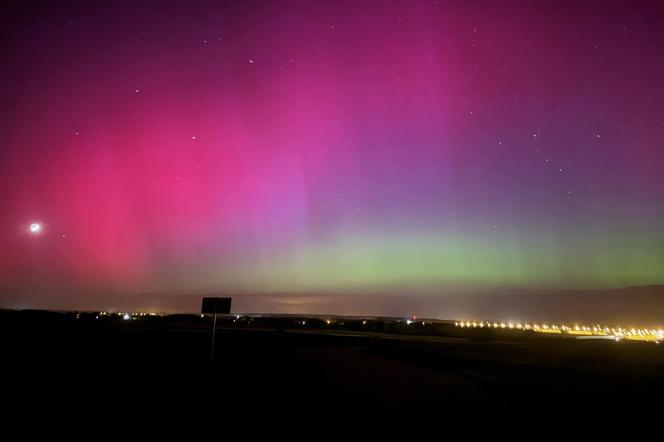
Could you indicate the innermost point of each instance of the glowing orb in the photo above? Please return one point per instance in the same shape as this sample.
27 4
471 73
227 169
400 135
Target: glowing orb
35 228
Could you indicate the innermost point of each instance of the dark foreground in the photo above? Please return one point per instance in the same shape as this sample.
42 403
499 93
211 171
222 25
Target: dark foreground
281 372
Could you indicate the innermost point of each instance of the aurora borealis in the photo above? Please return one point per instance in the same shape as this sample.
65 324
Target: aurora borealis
330 147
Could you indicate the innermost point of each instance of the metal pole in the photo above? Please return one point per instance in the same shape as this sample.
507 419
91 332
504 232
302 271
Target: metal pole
214 331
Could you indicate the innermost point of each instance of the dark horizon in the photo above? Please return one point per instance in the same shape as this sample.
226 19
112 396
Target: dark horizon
628 306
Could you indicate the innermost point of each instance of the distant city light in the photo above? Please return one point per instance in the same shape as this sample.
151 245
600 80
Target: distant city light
35 228
595 331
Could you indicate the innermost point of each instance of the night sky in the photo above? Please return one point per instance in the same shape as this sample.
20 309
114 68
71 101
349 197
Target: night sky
329 148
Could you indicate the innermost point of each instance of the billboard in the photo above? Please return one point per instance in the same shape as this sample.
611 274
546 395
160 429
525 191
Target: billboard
213 306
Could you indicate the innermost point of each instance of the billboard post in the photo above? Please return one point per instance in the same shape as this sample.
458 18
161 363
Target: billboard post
215 306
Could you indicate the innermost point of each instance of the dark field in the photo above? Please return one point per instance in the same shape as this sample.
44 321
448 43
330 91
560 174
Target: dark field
342 375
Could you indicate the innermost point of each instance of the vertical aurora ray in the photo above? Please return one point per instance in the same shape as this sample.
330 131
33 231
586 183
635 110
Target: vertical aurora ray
331 147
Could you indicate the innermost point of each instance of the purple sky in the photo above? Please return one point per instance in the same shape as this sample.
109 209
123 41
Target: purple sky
367 148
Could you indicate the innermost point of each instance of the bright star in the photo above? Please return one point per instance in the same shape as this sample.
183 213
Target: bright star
35 228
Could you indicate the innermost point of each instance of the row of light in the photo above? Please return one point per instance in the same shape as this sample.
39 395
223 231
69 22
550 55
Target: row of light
127 315
545 328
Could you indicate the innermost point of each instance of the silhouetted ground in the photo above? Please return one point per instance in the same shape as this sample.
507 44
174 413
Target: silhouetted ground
277 371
